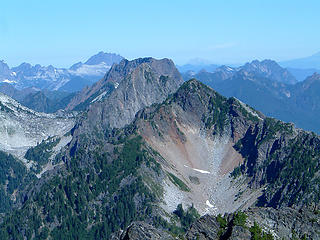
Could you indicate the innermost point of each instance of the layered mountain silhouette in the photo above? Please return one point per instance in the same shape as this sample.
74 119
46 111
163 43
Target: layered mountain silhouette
269 88
71 80
38 100
312 61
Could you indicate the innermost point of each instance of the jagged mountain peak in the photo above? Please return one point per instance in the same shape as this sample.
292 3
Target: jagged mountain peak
24 65
311 83
119 72
127 65
315 76
263 66
102 57
198 97
225 68
193 86
137 83
3 63
5 71
49 77
268 69
76 66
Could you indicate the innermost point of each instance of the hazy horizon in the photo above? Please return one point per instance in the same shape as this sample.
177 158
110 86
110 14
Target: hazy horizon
63 33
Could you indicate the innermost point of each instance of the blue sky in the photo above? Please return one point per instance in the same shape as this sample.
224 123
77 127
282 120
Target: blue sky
234 31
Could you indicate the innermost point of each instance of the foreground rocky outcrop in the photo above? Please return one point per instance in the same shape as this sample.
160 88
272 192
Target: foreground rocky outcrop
255 223
285 223
142 230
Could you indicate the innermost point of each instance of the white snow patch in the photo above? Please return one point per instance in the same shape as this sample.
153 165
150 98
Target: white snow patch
99 97
61 83
287 94
209 204
8 81
198 170
94 70
211 209
13 74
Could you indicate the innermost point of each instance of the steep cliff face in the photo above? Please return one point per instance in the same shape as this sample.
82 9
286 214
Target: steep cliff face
120 72
137 84
149 82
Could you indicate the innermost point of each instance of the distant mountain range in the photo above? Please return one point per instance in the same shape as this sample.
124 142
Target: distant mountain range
312 61
38 100
270 89
73 79
197 67
300 68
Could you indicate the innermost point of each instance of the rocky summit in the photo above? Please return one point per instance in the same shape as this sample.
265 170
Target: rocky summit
151 157
126 89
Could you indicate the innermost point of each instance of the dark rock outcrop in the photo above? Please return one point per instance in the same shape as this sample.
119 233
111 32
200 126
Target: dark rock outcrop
206 227
142 230
284 223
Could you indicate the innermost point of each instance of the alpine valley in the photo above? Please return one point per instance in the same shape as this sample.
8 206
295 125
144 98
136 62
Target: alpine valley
143 154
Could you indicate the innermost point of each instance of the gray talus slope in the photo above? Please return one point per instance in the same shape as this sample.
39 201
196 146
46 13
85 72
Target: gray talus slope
194 131
203 137
22 128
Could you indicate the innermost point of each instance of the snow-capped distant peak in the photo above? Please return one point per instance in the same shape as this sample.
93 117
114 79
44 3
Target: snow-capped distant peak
93 70
26 75
8 81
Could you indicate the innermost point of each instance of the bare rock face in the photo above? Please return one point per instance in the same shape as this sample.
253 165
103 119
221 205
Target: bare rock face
287 222
205 228
269 69
240 233
136 84
22 128
124 71
149 82
142 230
